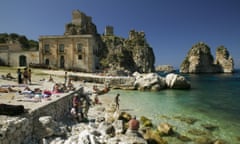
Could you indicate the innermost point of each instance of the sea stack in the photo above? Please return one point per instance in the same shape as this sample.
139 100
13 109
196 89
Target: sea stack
200 60
224 60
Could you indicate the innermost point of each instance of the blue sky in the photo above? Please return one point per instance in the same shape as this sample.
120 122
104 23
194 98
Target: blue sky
171 26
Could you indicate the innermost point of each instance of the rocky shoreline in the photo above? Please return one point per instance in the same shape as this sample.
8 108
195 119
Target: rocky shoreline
107 125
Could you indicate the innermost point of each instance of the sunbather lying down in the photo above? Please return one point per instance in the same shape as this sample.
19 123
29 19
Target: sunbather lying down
8 76
9 89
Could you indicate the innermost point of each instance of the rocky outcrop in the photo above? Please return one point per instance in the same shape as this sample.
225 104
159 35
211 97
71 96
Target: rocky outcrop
165 129
164 68
151 81
97 131
128 55
154 82
200 60
175 81
224 60
48 127
118 55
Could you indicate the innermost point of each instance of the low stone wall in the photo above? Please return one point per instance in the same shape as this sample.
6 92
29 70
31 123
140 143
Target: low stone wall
119 81
24 129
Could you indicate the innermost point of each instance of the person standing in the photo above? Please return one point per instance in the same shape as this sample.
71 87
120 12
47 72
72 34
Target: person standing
87 104
19 74
65 78
25 76
30 76
75 104
117 101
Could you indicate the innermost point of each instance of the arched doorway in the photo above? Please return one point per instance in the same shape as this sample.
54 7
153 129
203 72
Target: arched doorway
47 62
62 61
22 60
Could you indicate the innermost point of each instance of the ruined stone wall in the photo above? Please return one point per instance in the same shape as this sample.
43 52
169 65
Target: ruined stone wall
31 57
115 81
4 56
12 58
25 128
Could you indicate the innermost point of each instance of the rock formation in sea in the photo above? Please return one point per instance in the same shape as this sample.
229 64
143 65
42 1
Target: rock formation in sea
200 60
164 68
224 60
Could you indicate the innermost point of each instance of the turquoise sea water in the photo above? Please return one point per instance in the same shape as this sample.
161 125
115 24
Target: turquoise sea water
214 99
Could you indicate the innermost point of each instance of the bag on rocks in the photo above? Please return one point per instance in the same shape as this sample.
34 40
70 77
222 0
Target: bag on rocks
11 110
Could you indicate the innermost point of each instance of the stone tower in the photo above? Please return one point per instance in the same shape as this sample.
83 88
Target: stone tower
80 18
81 24
109 30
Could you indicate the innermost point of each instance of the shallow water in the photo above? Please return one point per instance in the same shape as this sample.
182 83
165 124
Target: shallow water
213 99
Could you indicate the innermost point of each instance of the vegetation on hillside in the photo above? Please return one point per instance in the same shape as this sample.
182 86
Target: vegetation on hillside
25 43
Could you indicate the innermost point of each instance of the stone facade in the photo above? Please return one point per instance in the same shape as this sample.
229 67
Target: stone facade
11 54
68 52
77 49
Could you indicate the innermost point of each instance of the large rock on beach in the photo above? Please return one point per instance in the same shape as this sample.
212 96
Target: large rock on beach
176 81
150 81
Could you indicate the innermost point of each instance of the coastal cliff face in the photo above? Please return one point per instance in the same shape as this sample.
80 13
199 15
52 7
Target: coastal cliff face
200 60
131 54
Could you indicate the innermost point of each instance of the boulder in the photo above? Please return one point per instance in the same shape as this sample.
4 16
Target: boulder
126 139
118 126
145 122
87 138
48 127
150 81
176 81
106 129
165 128
152 136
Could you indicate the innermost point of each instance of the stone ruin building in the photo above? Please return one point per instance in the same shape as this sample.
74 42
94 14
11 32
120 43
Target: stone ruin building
12 54
77 49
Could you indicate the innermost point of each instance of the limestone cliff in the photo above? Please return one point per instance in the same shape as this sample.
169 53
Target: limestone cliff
200 60
132 54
